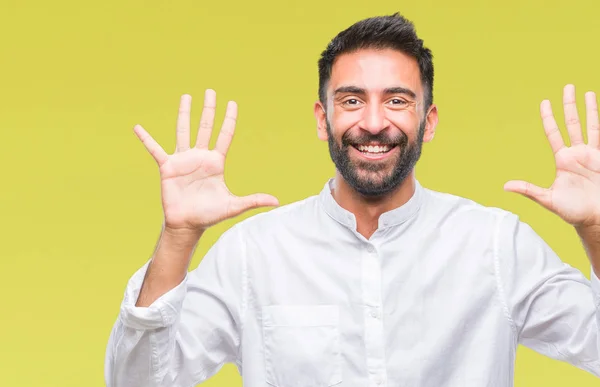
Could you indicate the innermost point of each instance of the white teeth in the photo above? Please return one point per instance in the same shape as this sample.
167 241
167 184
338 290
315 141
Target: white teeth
374 149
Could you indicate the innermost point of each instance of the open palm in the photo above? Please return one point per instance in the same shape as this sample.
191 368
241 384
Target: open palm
575 193
194 193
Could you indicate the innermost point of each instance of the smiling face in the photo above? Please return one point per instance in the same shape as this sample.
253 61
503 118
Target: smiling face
374 119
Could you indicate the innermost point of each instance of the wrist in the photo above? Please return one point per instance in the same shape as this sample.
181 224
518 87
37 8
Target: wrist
590 238
182 234
175 250
176 246
589 233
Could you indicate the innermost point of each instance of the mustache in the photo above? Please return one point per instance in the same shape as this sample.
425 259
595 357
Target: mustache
382 138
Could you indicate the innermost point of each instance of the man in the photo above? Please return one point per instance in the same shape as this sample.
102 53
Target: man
376 281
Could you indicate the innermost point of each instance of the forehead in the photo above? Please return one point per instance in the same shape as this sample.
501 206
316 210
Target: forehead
376 69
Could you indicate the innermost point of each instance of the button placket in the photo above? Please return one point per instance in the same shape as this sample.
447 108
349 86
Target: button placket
374 313
374 336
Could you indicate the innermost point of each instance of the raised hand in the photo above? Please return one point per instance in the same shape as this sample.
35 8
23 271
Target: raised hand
194 194
575 193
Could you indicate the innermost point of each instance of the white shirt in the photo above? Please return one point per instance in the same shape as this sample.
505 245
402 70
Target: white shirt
439 296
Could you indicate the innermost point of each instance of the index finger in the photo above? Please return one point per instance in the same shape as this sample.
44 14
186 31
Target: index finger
183 123
551 127
593 125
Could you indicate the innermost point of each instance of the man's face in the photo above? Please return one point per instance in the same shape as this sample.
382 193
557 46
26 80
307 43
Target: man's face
374 121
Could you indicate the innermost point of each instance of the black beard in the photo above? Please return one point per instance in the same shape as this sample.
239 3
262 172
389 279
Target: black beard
379 182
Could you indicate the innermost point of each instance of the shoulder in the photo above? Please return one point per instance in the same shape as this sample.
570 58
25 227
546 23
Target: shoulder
260 228
282 217
456 210
506 227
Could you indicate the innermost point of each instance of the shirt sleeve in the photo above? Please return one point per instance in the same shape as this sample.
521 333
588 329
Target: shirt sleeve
188 333
553 307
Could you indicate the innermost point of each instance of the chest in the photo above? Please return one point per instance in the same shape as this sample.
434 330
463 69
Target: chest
395 311
400 275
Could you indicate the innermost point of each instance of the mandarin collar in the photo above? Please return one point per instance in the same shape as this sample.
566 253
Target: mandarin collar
387 219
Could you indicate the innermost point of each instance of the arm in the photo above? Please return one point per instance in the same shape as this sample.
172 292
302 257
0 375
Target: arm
186 334
174 328
553 308
590 237
169 264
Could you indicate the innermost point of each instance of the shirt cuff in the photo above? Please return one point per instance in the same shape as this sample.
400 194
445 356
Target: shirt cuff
161 313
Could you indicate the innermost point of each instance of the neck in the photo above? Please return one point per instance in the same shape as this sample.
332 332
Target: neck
367 210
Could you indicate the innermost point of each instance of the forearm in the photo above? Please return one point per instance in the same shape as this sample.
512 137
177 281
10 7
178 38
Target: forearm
590 237
143 340
168 265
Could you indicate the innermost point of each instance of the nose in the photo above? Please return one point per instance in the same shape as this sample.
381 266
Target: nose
374 120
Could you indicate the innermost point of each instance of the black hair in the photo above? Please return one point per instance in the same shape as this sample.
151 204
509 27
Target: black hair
380 32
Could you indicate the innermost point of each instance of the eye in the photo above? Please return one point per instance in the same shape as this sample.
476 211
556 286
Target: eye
351 102
398 101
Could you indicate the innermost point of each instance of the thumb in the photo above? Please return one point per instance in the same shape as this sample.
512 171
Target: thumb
531 191
250 202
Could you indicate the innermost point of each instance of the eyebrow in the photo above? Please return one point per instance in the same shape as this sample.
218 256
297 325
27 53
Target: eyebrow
389 90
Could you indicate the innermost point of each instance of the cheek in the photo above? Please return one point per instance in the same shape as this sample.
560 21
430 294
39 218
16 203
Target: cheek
342 122
346 116
407 122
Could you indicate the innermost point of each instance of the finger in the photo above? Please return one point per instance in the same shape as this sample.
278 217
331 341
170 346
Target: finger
183 123
593 125
246 203
227 129
550 127
207 119
151 145
571 116
540 195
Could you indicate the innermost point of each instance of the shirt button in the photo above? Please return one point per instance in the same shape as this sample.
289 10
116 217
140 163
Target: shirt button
374 313
379 380
370 249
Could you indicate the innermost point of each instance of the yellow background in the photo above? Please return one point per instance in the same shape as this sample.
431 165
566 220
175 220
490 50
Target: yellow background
80 205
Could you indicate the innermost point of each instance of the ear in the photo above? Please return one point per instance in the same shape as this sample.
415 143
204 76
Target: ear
321 118
431 121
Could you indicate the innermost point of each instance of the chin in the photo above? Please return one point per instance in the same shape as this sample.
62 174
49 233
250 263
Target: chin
372 184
